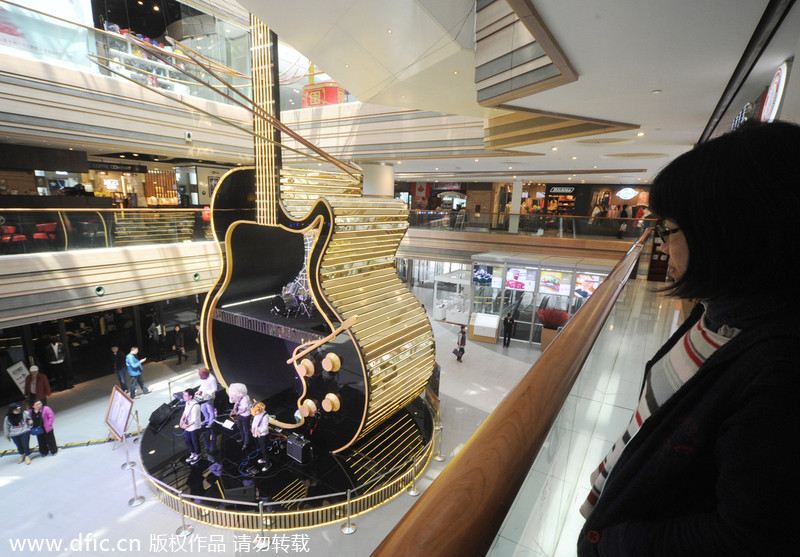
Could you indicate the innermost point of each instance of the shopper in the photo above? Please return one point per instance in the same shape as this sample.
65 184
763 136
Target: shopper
55 356
508 329
42 418
155 334
37 386
119 367
199 356
178 345
18 429
461 342
708 464
134 366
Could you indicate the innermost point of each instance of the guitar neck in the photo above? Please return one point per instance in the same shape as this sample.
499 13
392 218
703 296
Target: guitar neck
264 46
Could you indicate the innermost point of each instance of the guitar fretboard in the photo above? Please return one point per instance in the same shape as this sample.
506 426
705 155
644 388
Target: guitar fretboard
267 182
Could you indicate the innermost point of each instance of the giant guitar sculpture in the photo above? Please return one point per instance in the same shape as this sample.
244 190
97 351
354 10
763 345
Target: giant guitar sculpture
365 347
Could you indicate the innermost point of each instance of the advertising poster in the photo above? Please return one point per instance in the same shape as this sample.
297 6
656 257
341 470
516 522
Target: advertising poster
585 285
482 275
518 279
553 282
118 413
18 373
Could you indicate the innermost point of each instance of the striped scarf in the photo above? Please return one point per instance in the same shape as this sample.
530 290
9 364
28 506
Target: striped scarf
666 376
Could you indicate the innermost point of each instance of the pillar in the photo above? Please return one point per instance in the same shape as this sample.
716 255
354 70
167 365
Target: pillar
378 179
516 201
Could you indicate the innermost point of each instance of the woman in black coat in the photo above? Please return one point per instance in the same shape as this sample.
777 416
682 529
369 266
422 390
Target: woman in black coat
708 465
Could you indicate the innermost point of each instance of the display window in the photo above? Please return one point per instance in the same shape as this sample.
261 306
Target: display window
520 279
585 285
554 282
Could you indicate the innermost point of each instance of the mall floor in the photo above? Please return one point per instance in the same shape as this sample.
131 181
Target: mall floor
80 497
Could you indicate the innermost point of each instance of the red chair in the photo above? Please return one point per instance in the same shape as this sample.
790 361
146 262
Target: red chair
45 234
9 237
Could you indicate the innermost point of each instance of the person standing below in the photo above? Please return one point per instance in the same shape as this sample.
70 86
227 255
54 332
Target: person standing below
36 386
205 395
178 344
18 429
42 418
260 431
190 422
461 342
134 366
199 357
119 367
237 394
708 463
155 333
508 329
55 358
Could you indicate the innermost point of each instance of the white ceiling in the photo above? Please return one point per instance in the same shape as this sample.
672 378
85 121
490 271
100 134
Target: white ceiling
622 51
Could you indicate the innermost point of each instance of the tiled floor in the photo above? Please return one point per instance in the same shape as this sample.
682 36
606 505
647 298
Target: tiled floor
80 497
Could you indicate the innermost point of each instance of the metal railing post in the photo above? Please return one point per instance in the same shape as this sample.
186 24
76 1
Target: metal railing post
438 457
412 489
348 527
137 499
186 529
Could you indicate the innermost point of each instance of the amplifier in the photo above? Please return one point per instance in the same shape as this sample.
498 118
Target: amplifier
298 448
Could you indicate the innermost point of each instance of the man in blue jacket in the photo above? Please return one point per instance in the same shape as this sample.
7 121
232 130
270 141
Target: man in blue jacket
135 371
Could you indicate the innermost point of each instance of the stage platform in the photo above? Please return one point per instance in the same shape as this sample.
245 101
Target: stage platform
304 484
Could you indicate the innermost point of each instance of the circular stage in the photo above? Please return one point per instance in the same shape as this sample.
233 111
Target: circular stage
303 486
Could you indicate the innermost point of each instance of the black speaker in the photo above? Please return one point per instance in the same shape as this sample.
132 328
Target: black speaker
160 417
298 448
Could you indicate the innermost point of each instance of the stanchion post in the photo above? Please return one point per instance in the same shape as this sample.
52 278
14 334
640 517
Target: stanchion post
262 542
138 428
348 527
184 530
438 457
128 462
412 489
137 499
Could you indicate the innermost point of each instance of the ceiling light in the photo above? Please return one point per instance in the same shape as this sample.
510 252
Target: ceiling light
655 91
399 162
640 134
574 158
595 166
511 168
155 159
554 148
455 73
122 156
389 31
436 169
136 154
140 3
156 8
347 65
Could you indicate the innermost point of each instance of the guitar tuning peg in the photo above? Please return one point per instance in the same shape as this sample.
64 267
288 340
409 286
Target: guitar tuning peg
331 362
306 367
331 403
308 408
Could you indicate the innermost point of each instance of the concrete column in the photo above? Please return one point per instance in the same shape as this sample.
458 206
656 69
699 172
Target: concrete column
378 179
516 201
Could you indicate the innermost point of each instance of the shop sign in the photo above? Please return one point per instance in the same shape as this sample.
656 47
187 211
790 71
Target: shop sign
774 94
110 183
627 193
562 189
446 186
115 167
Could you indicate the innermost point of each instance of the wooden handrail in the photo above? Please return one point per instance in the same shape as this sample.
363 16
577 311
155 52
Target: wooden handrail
463 509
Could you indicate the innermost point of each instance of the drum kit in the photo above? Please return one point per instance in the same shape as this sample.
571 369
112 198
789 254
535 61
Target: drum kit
292 302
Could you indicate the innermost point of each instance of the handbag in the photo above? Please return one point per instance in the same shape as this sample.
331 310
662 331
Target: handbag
37 430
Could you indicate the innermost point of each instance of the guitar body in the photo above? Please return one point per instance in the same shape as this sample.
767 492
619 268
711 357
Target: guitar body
246 342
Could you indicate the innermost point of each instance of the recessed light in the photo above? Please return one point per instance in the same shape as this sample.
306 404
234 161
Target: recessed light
655 91
455 73
135 154
554 148
436 169
476 160
574 158
347 65
640 134
122 156
389 31
156 8
511 168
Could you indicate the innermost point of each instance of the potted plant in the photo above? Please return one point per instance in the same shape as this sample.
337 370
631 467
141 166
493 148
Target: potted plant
551 319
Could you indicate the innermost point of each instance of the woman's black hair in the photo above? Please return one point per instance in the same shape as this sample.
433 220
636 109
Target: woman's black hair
736 199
